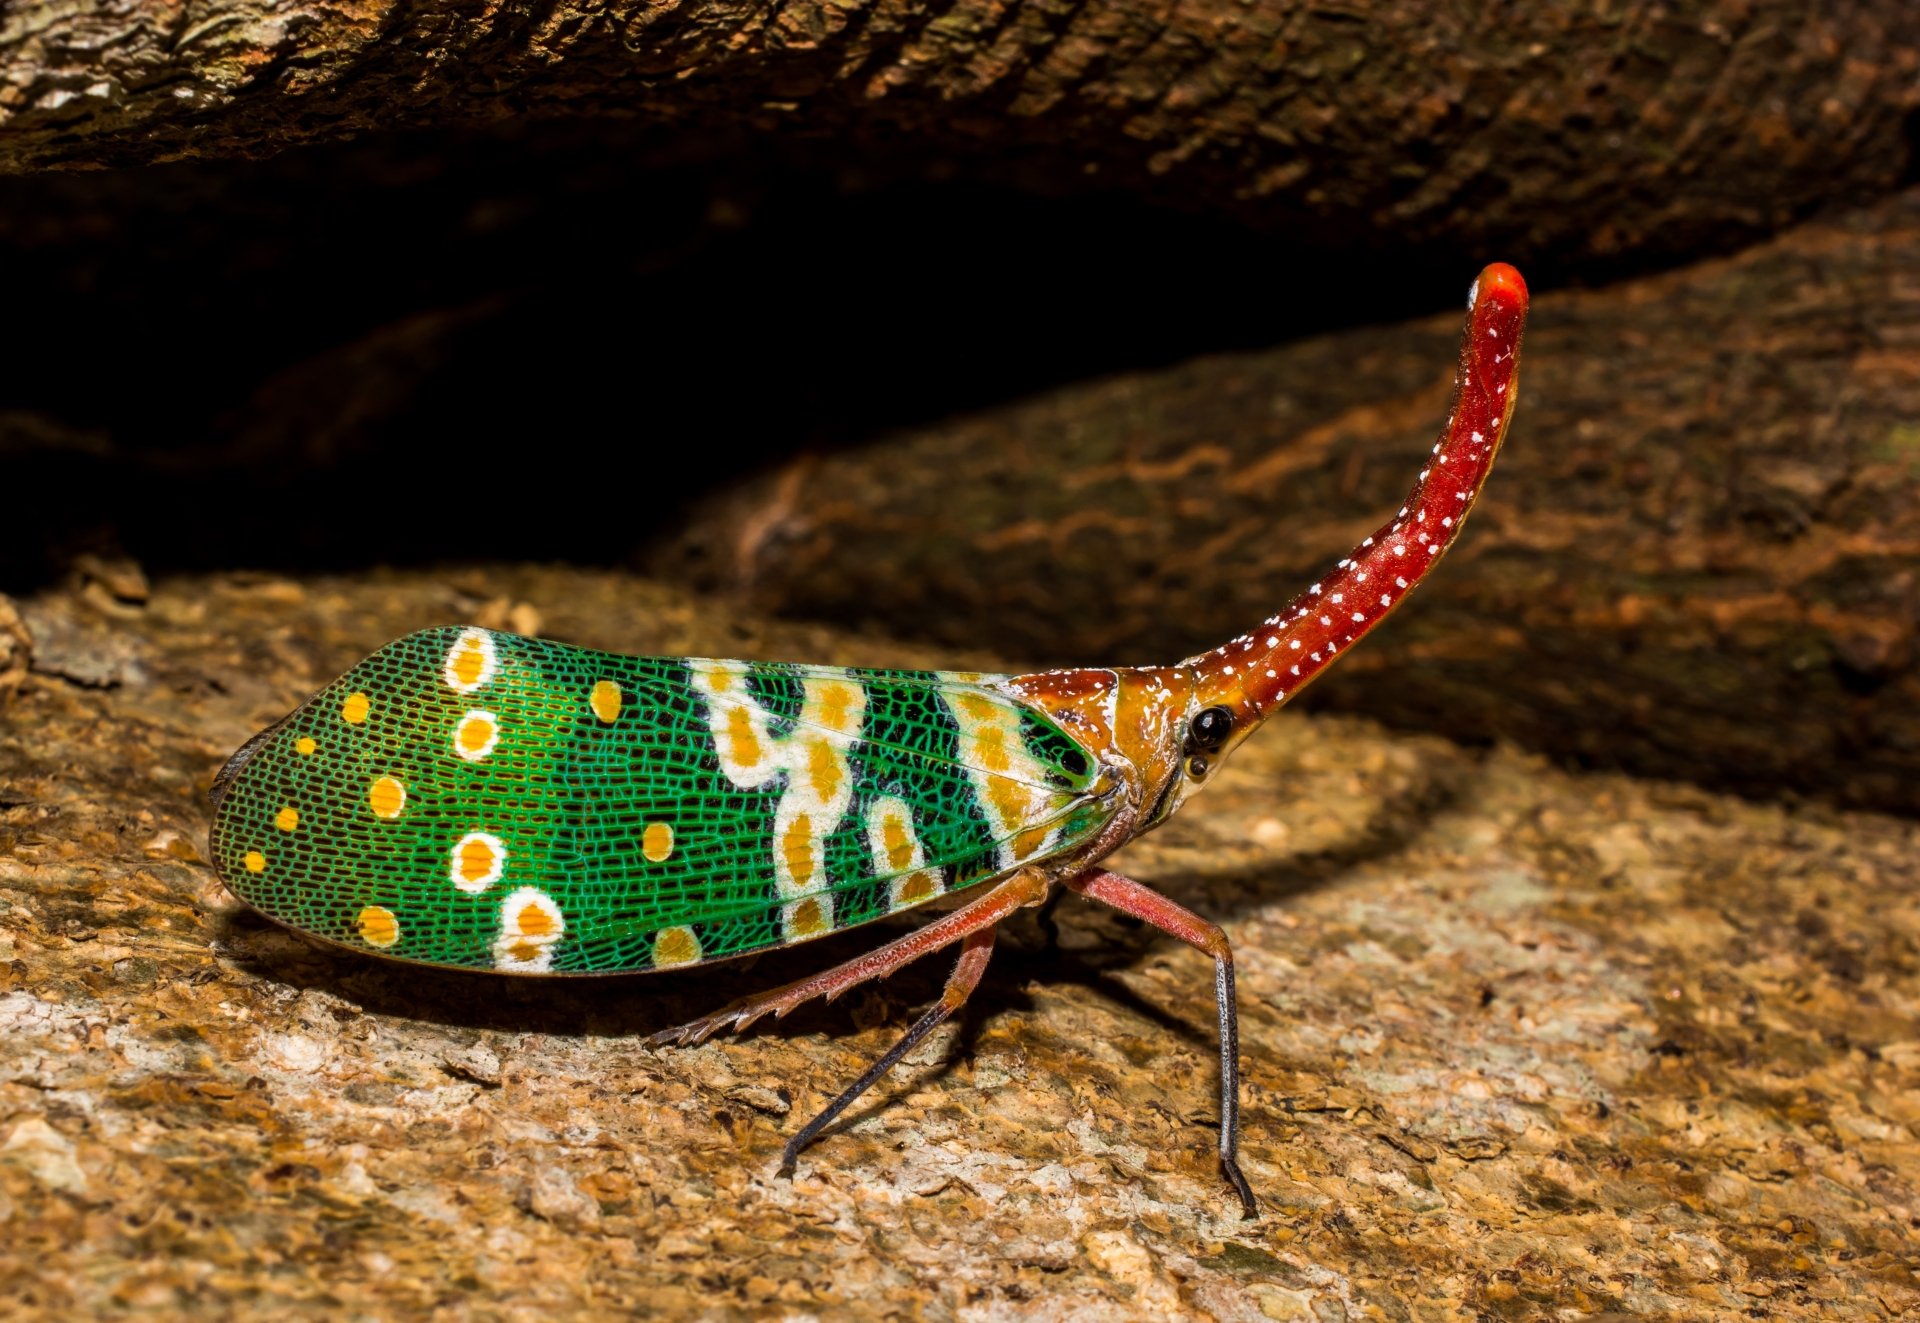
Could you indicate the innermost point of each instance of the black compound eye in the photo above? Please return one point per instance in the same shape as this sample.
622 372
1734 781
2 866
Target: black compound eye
1211 728
1197 766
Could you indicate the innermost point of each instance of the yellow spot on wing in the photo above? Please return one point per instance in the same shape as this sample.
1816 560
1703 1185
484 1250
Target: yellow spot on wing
897 840
386 797
377 926
478 861
656 843
1008 798
676 946
824 770
355 709
470 661
530 924
287 818
253 861
744 746
304 746
1029 843
976 707
898 854
990 746
834 705
475 736
808 918
605 701
797 848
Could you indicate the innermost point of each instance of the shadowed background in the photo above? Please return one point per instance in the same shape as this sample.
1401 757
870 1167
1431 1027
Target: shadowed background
858 311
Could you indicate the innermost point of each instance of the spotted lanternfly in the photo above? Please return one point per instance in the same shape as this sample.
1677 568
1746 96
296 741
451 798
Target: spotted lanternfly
478 800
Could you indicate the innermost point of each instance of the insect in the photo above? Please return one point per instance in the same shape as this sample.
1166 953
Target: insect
478 800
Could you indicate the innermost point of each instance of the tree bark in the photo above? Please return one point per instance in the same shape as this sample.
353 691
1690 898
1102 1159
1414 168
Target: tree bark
1552 130
1515 1042
1699 556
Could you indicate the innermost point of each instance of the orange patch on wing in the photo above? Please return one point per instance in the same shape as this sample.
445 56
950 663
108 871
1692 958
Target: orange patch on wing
990 746
977 707
916 888
386 797
479 860
355 709
656 842
605 701
476 859
797 847
468 664
377 926
808 918
743 744
533 921
837 700
304 746
530 927
1008 798
1029 843
676 946
824 770
475 735
254 862
897 841
287 818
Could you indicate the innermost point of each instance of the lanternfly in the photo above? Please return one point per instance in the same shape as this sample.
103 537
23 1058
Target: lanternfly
478 800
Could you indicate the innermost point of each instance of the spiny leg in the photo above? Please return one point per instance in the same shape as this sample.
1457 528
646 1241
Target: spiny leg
1022 888
1130 897
960 985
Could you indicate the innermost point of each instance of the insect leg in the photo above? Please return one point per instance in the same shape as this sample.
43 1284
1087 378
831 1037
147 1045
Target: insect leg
960 985
1130 897
1022 888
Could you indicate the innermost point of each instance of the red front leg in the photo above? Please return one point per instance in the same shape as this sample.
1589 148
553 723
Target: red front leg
972 926
1025 887
1144 903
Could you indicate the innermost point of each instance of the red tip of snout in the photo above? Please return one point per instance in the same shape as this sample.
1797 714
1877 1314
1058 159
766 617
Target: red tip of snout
1500 283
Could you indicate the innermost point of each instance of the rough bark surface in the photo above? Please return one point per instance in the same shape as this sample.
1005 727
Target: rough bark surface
1699 557
1643 127
1518 1043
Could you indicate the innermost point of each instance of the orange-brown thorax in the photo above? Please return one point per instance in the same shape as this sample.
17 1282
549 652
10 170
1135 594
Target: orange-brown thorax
1134 719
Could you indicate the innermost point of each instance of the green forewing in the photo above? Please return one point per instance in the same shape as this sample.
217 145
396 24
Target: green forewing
482 800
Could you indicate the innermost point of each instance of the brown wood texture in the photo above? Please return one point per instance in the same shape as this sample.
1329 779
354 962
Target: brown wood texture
1518 1043
1699 556
1566 129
